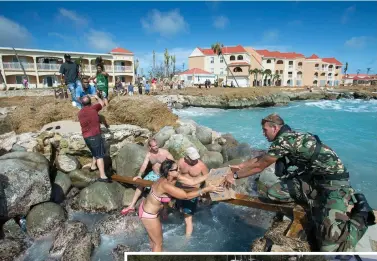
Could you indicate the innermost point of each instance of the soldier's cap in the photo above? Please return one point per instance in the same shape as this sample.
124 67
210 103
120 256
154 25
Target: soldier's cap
274 118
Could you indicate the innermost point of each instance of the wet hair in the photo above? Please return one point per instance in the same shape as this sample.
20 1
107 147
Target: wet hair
166 167
273 120
102 67
86 100
150 141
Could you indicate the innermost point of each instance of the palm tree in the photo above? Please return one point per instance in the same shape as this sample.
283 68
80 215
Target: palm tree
255 73
268 74
173 63
358 71
346 68
217 49
275 77
136 66
368 70
167 58
263 73
22 66
154 60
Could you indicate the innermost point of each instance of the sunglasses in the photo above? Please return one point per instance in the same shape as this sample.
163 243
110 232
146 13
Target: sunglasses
173 169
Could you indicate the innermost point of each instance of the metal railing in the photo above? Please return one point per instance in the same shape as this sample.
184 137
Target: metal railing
119 68
290 66
290 75
17 66
48 66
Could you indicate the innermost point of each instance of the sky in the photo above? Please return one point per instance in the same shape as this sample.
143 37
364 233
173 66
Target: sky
344 30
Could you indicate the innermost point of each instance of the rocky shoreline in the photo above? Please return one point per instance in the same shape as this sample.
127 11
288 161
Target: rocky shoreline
274 99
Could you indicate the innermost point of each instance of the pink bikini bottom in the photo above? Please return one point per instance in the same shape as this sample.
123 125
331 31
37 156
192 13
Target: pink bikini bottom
143 214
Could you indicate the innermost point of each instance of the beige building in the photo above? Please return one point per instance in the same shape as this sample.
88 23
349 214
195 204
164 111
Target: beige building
263 68
42 66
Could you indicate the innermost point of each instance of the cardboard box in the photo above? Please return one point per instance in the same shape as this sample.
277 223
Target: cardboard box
216 177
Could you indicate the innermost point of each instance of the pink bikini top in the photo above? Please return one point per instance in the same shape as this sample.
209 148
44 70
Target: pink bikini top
161 199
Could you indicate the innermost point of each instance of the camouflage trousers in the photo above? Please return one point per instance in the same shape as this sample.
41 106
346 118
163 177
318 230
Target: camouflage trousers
335 230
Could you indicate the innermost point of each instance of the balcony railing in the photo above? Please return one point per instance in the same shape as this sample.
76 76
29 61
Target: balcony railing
48 66
17 66
108 68
290 66
315 77
118 68
299 67
316 68
290 76
299 77
331 69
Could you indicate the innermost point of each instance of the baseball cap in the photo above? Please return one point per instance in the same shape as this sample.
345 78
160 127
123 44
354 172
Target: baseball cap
192 153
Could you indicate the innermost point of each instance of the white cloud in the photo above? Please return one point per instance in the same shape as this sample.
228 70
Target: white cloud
12 34
347 13
220 22
100 41
270 35
165 23
79 20
357 42
181 56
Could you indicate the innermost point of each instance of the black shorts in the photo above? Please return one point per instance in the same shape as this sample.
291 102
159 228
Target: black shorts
96 146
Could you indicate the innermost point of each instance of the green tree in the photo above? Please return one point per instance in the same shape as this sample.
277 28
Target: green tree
217 49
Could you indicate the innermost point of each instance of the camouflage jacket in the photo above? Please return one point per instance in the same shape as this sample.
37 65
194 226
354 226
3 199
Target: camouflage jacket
299 147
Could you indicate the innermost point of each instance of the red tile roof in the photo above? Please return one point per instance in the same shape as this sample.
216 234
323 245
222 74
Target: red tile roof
195 71
276 54
314 56
331 60
225 49
120 50
360 76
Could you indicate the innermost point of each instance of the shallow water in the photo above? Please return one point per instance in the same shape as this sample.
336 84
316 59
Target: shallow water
347 126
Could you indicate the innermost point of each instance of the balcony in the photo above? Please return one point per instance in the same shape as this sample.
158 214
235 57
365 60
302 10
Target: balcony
329 77
316 68
331 69
290 76
299 68
48 66
17 66
290 67
118 68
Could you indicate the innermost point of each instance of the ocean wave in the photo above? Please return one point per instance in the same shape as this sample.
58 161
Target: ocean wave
197 112
345 105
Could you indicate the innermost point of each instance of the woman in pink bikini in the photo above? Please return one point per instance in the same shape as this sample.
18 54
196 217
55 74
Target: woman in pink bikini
161 192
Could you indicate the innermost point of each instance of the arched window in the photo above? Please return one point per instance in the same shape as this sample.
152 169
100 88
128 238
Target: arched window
232 58
280 62
239 57
237 69
268 61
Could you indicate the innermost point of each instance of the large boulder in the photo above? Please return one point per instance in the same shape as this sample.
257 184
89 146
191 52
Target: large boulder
81 178
44 219
239 151
163 135
186 127
212 159
204 134
129 159
10 249
117 224
178 143
67 163
127 196
79 249
71 231
214 147
266 179
101 197
118 252
24 182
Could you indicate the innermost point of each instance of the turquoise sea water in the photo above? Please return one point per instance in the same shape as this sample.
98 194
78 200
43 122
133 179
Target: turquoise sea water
347 126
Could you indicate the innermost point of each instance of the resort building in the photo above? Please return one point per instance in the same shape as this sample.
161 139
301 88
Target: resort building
252 67
360 79
42 66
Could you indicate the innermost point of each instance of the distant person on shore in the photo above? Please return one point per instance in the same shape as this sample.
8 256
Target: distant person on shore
119 89
140 87
102 83
130 89
25 83
91 132
70 71
319 179
154 87
191 168
155 156
161 193
147 88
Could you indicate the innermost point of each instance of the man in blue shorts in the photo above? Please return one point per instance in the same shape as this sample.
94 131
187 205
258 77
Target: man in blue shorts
70 71
155 156
82 91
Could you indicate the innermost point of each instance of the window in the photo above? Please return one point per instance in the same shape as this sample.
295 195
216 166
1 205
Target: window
19 79
281 71
212 70
280 62
221 59
268 61
189 78
232 58
277 71
221 72
212 59
237 69
239 57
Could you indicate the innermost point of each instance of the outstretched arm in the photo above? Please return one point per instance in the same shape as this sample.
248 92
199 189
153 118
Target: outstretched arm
181 194
143 166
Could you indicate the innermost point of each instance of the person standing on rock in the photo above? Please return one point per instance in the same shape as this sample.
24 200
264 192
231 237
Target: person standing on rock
91 132
319 179
155 156
190 168
102 80
161 193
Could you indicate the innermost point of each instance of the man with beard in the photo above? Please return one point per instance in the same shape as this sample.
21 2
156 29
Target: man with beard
155 156
190 167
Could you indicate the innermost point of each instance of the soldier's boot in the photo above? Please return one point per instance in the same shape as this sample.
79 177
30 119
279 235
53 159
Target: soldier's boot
362 211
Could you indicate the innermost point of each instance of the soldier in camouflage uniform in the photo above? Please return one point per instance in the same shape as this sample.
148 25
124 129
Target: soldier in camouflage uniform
313 174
